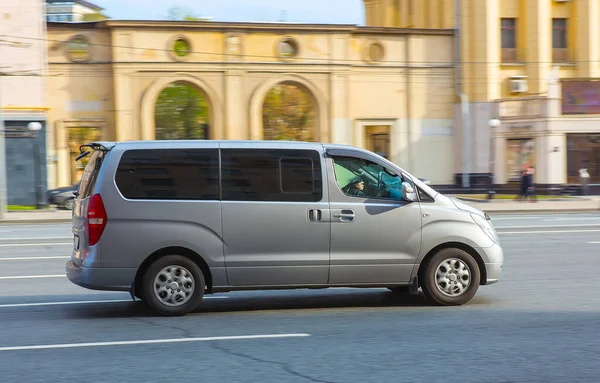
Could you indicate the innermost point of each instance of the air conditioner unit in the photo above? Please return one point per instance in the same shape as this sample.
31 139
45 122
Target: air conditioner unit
518 85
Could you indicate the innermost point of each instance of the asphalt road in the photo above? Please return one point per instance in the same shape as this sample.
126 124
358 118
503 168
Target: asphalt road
541 323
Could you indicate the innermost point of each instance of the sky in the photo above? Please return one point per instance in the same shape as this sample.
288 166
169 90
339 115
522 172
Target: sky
301 11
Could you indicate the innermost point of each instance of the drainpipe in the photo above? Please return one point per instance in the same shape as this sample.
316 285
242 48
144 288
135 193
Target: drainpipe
464 100
407 75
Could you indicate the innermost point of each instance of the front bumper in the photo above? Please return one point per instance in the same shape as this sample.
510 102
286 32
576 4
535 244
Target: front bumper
494 260
107 279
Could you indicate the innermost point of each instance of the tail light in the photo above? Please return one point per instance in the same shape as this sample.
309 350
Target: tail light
96 219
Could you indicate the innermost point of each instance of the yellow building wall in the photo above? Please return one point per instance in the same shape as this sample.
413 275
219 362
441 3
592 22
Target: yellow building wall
485 76
427 14
80 95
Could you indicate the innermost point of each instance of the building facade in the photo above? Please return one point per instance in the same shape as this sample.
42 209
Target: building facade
69 10
386 89
532 64
23 75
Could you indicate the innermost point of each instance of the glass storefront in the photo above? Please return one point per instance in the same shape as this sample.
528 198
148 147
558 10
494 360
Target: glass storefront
583 152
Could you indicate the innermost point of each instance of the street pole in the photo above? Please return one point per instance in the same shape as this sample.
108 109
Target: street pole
3 186
493 123
35 127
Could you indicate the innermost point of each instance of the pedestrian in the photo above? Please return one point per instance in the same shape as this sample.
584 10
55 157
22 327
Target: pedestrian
522 193
530 185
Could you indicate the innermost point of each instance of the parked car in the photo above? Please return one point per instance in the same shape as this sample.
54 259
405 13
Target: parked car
62 197
171 221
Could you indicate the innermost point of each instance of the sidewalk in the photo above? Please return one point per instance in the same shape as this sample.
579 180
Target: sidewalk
577 204
34 216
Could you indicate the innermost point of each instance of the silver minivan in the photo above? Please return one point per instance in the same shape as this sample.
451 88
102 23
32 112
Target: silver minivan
171 221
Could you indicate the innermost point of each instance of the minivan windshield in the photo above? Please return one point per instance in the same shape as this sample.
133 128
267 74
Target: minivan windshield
90 173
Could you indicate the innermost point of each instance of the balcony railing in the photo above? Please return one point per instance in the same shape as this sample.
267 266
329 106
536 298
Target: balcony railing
530 107
509 55
560 55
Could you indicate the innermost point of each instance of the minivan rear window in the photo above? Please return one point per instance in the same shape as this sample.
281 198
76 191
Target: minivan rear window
90 174
169 174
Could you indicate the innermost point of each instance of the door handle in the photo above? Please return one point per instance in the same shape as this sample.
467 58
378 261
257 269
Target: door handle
345 215
315 215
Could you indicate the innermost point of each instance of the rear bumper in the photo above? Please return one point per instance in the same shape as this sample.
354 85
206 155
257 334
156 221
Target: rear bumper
108 279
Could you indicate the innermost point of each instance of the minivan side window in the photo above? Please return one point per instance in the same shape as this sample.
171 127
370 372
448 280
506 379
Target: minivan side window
365 179
169 174
270 175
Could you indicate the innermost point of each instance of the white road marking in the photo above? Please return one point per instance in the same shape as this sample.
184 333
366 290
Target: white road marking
544 226
36 244
34 276
150 341
548 231
30 258
595 242
40 304
514 218
32 238
572 219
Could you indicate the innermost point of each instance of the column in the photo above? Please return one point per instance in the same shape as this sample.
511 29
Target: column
538 42
125 129
586 27
341 124
236 121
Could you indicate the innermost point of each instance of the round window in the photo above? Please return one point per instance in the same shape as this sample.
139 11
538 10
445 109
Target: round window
78 48
376 52
181 47
288 48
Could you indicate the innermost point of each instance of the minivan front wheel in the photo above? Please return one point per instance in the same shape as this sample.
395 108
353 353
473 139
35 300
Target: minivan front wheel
173 285
451 278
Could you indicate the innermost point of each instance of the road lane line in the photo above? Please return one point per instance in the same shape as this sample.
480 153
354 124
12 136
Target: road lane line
31 238
152 341
595 242
31 258
41 304
36 244
34 276
549 226
572 219
548 232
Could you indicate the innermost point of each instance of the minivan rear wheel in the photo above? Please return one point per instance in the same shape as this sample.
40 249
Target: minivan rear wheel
173 285
451 277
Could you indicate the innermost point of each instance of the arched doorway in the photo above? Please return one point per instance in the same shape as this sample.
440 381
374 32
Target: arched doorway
151 94
315 90
290 112
182 112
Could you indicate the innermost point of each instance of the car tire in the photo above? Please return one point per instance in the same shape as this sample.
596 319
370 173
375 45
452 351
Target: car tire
459 277
173 285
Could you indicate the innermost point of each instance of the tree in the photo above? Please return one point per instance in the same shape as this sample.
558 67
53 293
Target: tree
182 14
181 112
289 114
96 16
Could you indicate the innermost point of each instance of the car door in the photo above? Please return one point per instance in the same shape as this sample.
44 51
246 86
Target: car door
275 215
375 234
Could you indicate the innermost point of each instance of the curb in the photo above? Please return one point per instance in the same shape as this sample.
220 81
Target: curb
541 211
34 221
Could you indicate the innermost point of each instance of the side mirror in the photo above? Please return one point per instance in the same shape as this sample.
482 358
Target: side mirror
408 192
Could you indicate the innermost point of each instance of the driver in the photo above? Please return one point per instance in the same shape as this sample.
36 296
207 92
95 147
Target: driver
356 187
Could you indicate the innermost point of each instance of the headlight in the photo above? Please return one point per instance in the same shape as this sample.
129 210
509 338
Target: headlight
486 226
